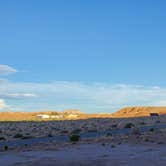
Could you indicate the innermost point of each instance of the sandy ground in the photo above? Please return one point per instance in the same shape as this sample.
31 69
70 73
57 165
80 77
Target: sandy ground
89 154
135 149
148 149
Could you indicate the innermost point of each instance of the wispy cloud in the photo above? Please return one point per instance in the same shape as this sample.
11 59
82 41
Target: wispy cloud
94 97
17 95
5 70
2 104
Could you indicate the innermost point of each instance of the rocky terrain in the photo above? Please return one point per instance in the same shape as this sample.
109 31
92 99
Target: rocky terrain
147 149
16 125
32 129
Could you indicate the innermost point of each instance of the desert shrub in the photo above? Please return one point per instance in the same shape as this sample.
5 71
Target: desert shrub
114 126
18 135
160 142
113 146
146 140
6 147
50 135
129 125
2 138
74 138
27 134
151 129
108 134
103 144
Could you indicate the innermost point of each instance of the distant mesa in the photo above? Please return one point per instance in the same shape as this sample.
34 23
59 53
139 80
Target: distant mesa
140 111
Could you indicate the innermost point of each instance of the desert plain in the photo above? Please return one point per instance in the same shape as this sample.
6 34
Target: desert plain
131 136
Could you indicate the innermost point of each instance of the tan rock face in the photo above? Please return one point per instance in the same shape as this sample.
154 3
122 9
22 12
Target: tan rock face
139 111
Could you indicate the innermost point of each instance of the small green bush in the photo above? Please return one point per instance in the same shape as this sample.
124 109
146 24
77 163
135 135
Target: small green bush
151 130
18 136
129 125
74 138
103 144
50 135
2 138
6 147
146 140
113 146
108 134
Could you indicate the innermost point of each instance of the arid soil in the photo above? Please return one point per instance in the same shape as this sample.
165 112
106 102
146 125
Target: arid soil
133 150
19 130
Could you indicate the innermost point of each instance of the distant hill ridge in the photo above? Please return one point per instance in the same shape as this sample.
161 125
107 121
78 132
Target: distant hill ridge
123 113
14 116
72 112
139 111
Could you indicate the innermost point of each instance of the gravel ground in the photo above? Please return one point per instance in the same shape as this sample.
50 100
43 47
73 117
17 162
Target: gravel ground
89 154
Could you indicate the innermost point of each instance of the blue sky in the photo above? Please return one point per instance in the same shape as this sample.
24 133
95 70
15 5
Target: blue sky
106 52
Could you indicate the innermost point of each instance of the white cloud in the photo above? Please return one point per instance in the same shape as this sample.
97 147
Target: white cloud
19 95
63 95
5 70
99 97
2 104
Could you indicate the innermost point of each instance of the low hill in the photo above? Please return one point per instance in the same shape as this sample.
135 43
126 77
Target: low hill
72 112
33 116
17 116
76 114
139 111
